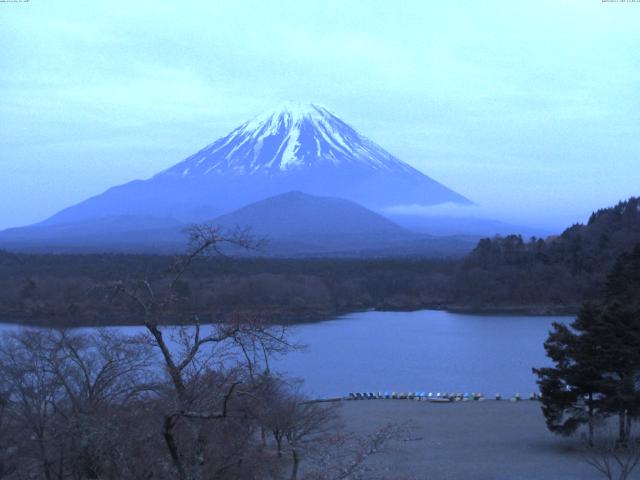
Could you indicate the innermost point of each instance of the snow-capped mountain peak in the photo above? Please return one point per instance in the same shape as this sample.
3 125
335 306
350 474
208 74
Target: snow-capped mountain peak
295 147
292 113
293 136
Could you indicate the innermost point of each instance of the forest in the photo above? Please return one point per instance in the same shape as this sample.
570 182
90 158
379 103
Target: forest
535 276
558 273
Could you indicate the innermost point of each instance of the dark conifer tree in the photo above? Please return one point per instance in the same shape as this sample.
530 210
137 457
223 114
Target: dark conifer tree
617 335
570 389
623 283
596 359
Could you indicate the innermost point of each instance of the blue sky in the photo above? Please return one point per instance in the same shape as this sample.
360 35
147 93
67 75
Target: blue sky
530 108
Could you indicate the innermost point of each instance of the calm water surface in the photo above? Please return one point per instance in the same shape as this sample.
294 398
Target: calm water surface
416 351
425 350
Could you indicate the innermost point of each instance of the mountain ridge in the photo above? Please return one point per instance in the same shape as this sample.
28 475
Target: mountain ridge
292 224
292 214
293 147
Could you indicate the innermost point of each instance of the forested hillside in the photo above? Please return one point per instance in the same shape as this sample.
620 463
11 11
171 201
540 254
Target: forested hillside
556 273
553 275
72 288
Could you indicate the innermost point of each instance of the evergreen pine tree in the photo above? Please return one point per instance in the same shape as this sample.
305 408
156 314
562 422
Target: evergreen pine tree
596 359
570 390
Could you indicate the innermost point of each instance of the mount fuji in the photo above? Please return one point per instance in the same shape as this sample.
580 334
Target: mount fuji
295 147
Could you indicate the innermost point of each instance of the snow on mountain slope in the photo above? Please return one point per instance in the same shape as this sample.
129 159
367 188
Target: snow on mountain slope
296 147
291 137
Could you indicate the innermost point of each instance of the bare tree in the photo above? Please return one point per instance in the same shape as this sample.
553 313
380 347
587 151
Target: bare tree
294 422
101 374
308 421
63 396
614 460
189 352
7 460
341 456
185 399
32 392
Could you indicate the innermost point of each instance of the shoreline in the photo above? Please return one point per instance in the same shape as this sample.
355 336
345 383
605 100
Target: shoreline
302 318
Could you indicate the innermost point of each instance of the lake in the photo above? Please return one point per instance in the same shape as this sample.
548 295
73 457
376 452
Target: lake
427 350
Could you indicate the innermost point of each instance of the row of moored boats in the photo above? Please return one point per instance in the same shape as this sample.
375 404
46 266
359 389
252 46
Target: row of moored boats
438 397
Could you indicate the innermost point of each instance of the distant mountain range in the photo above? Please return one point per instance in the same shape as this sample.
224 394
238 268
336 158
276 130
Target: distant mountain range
296 223
117 233
442 225
292 224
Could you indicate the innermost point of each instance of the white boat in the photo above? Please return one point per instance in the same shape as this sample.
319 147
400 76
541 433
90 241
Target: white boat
439 400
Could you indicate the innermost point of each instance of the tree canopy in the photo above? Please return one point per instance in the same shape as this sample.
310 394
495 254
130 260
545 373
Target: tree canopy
596 358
